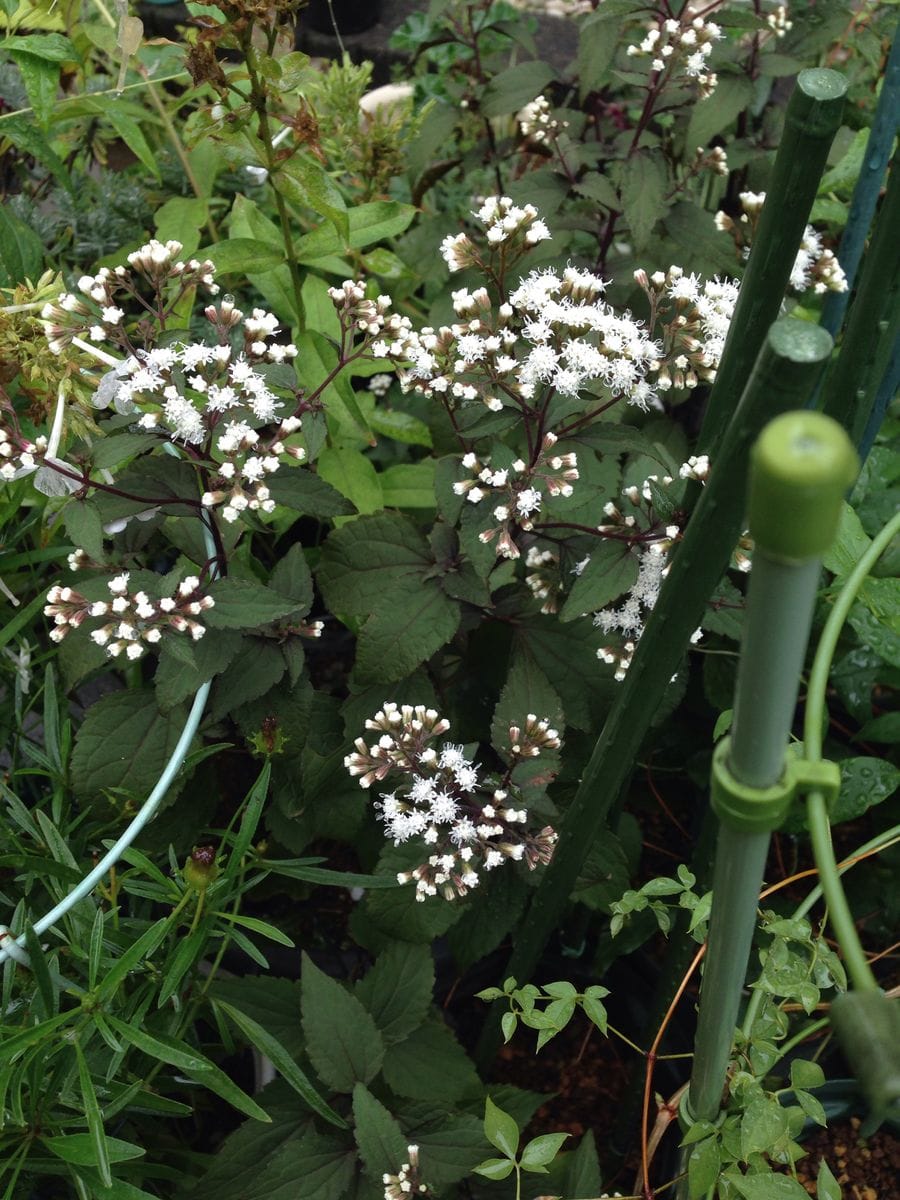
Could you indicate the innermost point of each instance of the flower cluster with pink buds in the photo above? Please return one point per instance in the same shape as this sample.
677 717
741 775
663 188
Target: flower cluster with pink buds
132 620
100 308
681 49
18 455
537 122
247 461
373 319
692 318
815 266
407 1182
516 228
470 823
519 488
543 578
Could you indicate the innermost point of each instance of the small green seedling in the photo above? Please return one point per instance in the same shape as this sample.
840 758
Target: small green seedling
502 1132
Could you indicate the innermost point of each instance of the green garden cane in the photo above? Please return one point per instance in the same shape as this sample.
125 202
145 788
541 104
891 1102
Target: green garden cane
801 467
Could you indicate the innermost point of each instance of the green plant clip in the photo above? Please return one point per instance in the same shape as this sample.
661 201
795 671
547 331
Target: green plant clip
761 810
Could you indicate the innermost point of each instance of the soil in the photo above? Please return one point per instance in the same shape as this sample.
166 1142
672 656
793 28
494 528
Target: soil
866 1168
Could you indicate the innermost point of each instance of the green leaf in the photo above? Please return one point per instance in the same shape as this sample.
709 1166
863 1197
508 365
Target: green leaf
96 1131
84 527
255 670
806 1074
827 1187
508 1023
343 1041
326 877
598 40
181 218
430 1065
500 1129
408 485
52 47
382 1146
542 1150
368 559
320 364
255 925
131 134
116 448
583 1169
268 1045
41 79
304 181
402 427
306 493
21 250
354 476
239 256
124 742
642 183
768 1187
398 989
864 783
704 1161
78 1148
515 87
291 577
25 136
849 545
368 223
404 631
763 1122
598 188
733 94
494 1168
240 604
609 573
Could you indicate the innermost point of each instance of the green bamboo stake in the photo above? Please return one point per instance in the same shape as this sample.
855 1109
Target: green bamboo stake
813 117
873 325
801 467
784 375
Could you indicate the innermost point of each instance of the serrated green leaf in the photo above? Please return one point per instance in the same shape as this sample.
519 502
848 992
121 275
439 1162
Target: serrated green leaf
306 493
609 573
711 115
513 88
239 256
368 223
354 476
343 1041
240 604
41 79
382 1145
397 991
405 629
643 180
430 1064
304 181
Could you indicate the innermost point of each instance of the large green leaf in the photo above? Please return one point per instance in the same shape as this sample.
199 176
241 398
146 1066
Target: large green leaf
398 990
306 182
513 88
368 223
244 255
343 1041
368 558
353 475
710 116
382 1146
642 184
240 604
306 493
864 782
124 742
21 250
405 630
609 573
430 1065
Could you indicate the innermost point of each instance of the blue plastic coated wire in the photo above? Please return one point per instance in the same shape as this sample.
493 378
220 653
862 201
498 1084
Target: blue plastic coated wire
144 816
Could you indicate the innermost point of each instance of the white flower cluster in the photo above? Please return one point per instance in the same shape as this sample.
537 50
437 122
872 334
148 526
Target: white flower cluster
406 1182
97 311
247 462
468 823
814 267
554 332
537 122
136 620
778 21
543 578
506 224
373 319
18 455
629 617
520 489
682 49
693 319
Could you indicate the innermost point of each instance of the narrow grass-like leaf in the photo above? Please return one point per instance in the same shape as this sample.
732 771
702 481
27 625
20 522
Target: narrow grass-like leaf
94 1119
273 1050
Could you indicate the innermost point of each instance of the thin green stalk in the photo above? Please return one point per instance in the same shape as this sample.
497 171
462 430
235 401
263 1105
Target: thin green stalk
812 119
873 325
78 97
784 374
820 830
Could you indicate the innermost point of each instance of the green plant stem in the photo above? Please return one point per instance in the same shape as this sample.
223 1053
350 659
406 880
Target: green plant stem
817 813
784 374
873 325
78 97
812 119
258 101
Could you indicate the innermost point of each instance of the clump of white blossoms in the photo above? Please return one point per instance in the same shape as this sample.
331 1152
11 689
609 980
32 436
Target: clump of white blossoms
516 492
132 620
19 455
470 822
681 50
815 267
543 578
537 122
693 318
407 1181
629 617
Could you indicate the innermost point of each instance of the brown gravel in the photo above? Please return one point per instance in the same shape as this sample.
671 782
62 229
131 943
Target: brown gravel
866 1168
